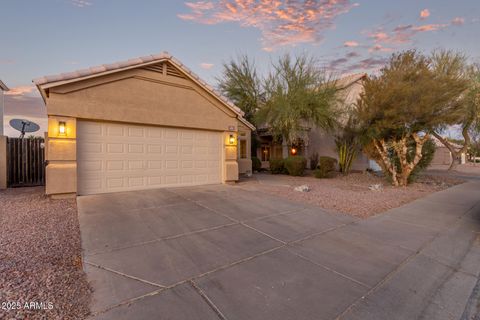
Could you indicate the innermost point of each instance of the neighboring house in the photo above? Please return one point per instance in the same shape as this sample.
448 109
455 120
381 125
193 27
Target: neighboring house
443 156
316 139
144 123
3 88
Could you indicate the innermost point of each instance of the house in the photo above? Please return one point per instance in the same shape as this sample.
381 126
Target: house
3 88
3 140
443 156
144 123
316 140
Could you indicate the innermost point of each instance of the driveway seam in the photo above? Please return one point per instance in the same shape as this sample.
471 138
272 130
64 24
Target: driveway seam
329 269
207 300
125 275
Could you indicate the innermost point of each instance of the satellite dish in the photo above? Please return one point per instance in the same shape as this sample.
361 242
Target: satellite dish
23 126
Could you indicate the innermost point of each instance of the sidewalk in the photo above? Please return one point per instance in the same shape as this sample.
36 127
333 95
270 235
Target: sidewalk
439 281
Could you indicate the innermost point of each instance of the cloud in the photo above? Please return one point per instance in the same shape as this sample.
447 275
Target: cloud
281 23
458 21
424 14
206 65
7 61
21 91
367 65
403 34
380 48
350 44
80 3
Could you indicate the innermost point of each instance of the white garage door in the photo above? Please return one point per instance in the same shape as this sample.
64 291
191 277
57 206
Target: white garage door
120 157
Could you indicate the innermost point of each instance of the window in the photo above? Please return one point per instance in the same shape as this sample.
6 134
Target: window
243 149
265 153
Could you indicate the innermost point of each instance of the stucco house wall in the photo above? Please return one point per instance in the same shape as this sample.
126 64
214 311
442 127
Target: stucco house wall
3 140
160 94
3 88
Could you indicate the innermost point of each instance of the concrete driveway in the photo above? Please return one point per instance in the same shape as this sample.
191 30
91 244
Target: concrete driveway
227 252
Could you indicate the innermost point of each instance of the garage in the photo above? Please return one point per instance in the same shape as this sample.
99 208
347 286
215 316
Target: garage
144 123
122 157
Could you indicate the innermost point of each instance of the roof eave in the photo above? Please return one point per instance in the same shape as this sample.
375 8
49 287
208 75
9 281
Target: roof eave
3 86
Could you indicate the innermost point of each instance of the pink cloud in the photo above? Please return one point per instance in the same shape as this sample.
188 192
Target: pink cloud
380 48
403 34
280 22
424 14
350 44
458 21
206 66
21 91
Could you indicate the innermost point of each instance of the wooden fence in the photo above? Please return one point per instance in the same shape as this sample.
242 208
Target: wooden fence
25 162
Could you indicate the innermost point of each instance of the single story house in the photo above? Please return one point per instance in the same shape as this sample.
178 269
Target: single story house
3 140
3 88
316 140
443 156
144 123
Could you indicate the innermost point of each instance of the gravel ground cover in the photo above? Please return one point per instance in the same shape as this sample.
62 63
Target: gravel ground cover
349 194
41 274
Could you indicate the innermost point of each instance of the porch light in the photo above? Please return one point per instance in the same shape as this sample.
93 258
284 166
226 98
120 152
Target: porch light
231 140
293 151
62 131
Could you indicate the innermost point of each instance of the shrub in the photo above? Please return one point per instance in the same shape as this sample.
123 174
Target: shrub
314 161
256 164
295 165
326 167
277 166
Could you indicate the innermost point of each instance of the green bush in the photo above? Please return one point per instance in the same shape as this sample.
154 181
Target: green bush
295 165
256 164
326 167
277 166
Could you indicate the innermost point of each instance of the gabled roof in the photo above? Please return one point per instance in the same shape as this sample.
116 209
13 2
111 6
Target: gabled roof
51 81
3 86
348 80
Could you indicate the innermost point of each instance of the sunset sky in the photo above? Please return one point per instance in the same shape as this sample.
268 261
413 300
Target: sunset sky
42 37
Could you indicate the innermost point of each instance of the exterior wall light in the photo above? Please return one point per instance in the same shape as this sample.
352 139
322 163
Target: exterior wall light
62 130
231 139
293 151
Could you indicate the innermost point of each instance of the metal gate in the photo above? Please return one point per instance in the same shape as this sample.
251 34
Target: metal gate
25 162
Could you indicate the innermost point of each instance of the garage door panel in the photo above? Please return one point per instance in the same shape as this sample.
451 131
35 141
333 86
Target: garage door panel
121 157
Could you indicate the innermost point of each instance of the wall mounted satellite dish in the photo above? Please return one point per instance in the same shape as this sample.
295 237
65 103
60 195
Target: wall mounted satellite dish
23 126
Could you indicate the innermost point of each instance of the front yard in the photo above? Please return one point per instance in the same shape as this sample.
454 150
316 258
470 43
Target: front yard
41 275
348 194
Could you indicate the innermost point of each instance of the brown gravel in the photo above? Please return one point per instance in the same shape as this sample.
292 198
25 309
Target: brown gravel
40 257
349 194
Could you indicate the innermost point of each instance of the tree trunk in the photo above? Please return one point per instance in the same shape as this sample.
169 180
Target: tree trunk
386 164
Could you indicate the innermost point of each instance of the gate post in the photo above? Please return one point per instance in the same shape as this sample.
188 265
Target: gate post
3 162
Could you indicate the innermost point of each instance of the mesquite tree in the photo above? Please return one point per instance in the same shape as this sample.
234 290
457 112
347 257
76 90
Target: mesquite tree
298 95
241 84
465 112
400 106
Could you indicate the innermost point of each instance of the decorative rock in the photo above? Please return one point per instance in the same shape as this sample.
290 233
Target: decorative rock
302 188
375 187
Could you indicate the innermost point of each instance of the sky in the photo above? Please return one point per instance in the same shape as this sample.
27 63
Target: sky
43 37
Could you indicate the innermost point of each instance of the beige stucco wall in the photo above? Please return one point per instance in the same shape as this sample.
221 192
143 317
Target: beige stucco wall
244 165
3 162
134 96
144 97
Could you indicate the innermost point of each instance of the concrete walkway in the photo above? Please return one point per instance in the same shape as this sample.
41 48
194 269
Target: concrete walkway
222 252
